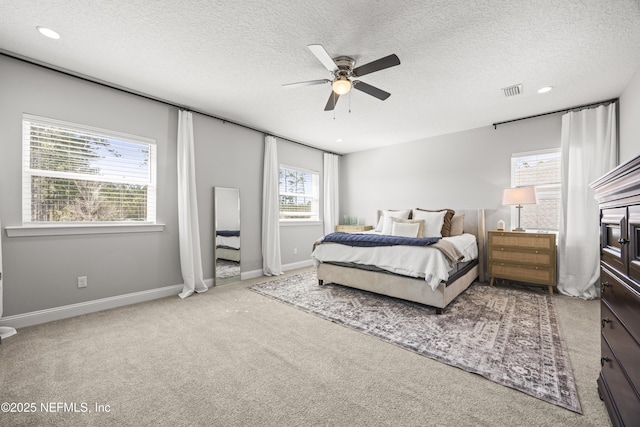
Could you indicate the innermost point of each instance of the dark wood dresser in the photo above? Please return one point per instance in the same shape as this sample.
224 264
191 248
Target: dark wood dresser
618 194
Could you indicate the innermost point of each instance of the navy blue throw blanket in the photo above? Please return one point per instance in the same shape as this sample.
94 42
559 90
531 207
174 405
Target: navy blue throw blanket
370 240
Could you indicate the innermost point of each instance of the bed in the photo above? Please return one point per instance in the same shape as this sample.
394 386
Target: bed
424 280
228 245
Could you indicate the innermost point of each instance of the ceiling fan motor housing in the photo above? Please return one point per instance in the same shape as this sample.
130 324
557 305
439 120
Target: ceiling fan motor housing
345 66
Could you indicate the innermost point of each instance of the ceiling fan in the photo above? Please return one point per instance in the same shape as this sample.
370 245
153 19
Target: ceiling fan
341 68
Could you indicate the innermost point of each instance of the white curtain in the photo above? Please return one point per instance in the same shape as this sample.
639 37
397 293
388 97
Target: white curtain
271 261
589 150
331 194
188 227
5 331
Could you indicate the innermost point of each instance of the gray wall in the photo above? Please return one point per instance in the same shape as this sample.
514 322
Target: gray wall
630 119
466 169
460 170
296 237
40 272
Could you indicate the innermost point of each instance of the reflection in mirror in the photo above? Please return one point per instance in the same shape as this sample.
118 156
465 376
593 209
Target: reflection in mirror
226 226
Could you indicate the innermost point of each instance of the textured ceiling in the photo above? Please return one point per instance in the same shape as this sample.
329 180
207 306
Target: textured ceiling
229 58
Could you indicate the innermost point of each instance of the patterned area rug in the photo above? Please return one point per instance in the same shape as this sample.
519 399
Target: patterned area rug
508 336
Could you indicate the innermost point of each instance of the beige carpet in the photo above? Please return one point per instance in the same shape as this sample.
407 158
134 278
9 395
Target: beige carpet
231 357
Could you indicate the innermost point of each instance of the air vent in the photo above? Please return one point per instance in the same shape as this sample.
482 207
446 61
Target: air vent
512 90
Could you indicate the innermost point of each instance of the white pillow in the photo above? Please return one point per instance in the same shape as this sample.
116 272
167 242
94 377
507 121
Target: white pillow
419 223
432 222
385 224
405 229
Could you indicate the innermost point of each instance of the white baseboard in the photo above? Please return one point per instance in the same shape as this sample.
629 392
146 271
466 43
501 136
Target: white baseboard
299 264
57 313
245 275
250 274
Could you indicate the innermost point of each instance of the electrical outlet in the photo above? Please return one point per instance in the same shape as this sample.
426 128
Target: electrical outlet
295 251
82 281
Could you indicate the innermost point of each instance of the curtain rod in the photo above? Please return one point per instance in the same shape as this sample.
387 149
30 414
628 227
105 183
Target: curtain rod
145 96
579 107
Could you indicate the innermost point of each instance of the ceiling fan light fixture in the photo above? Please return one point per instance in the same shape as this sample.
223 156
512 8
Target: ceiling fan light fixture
341 85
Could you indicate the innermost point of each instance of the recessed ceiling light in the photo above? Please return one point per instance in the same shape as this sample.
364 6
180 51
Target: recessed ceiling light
339 140
48 32
545 89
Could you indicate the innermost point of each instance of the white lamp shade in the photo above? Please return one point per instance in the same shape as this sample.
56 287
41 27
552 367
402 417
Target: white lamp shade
519 196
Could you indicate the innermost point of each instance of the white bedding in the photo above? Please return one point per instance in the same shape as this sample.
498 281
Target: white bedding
413 261
228 241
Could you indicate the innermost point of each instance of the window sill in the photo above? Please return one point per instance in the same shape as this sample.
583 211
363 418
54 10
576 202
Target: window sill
67 230
294 223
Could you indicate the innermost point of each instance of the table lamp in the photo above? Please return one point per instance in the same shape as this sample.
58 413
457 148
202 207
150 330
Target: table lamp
517 197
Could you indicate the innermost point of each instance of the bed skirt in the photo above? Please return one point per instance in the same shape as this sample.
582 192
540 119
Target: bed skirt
408 288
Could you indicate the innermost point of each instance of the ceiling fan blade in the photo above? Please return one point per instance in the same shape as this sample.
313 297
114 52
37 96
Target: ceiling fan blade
377 65
307 83
331 103
323 57
371 90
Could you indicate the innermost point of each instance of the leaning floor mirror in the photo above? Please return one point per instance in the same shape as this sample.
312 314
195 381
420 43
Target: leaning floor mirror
226 229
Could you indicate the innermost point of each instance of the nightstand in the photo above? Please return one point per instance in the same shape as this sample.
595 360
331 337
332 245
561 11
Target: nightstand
345 228
522 256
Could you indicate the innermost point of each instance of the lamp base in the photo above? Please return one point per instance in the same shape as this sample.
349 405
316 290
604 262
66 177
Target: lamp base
518 228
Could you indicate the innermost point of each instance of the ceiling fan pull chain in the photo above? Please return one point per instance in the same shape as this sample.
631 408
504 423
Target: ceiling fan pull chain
349 102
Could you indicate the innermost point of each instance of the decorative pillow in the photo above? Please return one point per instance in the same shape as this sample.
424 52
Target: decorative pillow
457 225
407 227
446 226
433 221
385 223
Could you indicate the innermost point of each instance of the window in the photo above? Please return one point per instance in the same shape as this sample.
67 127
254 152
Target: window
541 169
298 194
77 174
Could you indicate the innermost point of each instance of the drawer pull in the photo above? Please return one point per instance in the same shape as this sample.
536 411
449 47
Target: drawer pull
605 285
623 241
604 359
604 321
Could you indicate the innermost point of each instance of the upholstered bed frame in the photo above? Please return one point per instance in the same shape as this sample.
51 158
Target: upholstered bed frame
409 288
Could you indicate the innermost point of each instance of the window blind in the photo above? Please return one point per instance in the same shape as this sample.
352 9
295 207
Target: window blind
542 170
299 191
74 173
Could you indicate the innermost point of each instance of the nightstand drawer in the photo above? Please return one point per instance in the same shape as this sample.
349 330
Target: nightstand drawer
523 240
523 273
531 257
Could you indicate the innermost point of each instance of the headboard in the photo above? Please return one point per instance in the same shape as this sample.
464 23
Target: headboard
474 223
